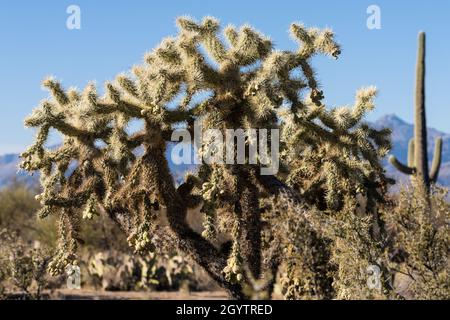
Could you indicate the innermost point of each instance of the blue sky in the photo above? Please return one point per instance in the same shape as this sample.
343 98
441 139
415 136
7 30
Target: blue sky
115 34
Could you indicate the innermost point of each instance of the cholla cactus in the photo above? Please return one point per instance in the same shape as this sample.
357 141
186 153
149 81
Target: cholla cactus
338 158
327 153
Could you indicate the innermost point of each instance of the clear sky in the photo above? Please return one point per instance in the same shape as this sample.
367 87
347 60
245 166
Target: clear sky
115 34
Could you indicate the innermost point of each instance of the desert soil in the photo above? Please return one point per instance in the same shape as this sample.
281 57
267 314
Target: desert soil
66 294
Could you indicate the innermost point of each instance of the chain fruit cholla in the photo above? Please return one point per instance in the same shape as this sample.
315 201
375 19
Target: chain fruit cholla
327 154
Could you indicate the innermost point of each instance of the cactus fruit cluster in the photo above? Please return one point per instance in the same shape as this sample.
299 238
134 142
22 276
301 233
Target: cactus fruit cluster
417 149
232 80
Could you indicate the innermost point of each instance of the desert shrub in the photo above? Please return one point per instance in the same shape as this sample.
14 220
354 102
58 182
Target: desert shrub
327 254
25 242
358 244
18 214
3 274
420 239
305 270
106 260
22 265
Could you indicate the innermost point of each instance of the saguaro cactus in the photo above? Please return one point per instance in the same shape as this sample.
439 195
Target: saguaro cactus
417 150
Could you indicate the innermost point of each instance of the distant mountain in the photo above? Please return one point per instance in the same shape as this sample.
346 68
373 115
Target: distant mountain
402 133
9 171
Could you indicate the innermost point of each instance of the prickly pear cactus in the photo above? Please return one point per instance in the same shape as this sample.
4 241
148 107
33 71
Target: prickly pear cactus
114 270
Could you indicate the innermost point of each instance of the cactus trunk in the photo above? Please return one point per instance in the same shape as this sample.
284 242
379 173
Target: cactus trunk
420 130
417 150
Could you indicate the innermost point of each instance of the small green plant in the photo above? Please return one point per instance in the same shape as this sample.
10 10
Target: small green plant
417 149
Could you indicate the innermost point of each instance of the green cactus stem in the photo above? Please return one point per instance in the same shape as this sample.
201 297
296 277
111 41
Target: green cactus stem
417 149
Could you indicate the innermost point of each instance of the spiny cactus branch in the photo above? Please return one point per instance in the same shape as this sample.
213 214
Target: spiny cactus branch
411 154
400 166
437 158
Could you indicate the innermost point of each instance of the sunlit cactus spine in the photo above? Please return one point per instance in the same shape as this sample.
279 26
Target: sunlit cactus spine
417 149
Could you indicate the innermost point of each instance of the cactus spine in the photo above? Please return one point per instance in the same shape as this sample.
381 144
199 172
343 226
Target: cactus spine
417 150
